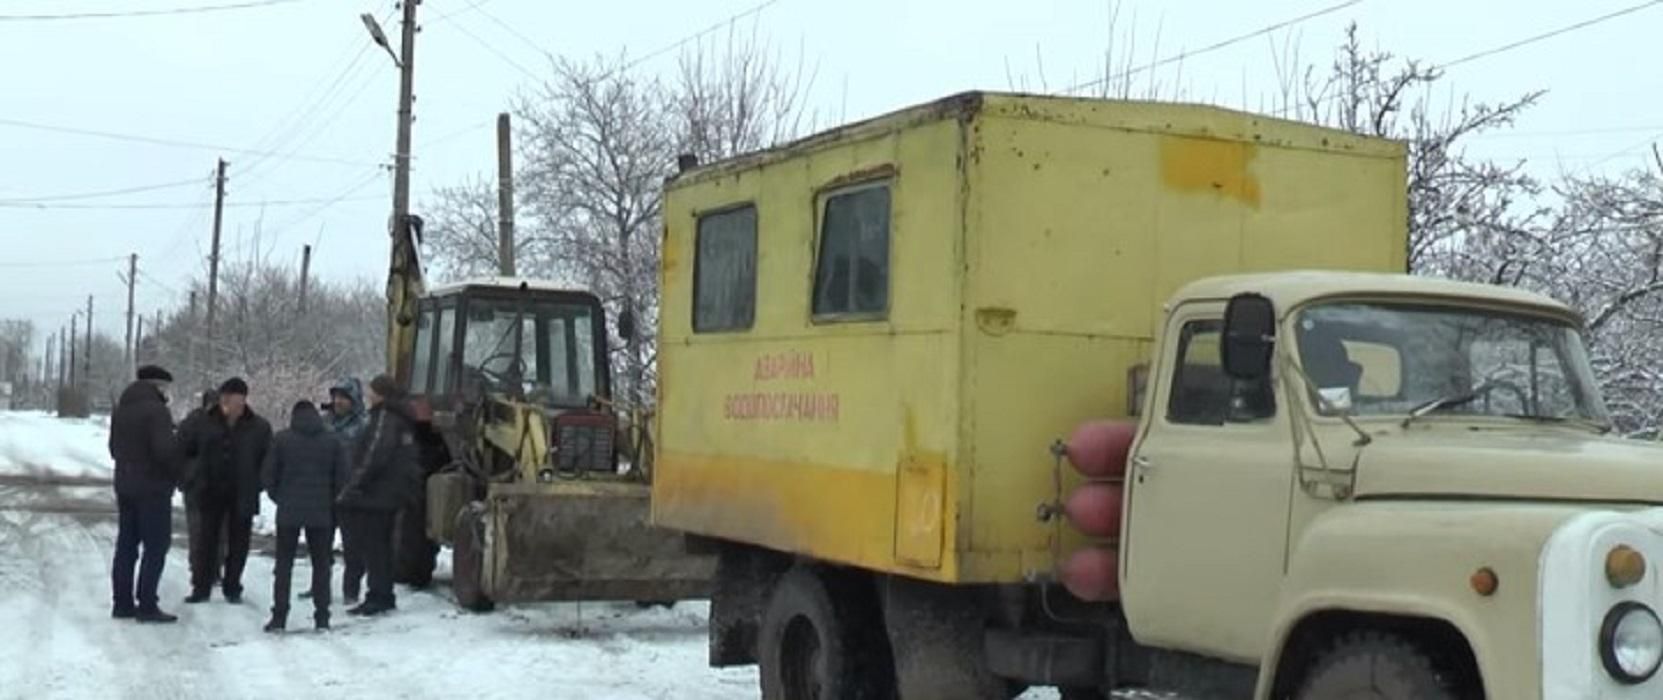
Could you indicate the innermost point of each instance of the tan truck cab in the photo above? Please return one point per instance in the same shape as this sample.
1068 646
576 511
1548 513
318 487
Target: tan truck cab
1345 476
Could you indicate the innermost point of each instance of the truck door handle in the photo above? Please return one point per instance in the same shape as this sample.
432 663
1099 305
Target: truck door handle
1142 464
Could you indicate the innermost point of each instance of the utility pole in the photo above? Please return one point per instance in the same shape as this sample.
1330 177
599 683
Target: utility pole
131 353
505 198
74 330
406 100
213 254
305 274
86 362
138 339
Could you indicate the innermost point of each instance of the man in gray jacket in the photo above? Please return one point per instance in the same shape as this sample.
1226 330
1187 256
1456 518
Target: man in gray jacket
304 470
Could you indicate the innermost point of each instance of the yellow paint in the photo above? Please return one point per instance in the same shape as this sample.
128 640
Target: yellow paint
1210 167
1032 241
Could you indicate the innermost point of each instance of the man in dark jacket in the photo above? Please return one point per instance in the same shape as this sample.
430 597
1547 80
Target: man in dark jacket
146 471
383 459
193 508
346 423
303 472
229 445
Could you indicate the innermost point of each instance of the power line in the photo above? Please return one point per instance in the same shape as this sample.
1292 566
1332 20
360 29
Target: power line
171 205
178 143
500 55
756 9
1550 34
103 193
1216 46
198 9
64 263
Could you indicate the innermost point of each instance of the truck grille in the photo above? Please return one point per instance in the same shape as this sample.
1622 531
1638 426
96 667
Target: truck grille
583 443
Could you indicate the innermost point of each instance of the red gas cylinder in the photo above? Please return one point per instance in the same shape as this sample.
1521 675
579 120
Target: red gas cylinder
1094 508
1091 574
1098 448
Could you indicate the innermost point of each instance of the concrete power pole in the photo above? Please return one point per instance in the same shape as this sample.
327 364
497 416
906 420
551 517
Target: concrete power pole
213 253
305 274
406 100
131 353
505 197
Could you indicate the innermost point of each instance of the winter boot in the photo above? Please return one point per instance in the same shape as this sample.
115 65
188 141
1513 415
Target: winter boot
197 596
123 613
234 597
278 623
155 617
320 621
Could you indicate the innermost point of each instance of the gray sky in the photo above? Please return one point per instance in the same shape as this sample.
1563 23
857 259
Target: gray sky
260 79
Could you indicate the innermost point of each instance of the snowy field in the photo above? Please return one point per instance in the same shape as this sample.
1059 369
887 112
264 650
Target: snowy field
57 529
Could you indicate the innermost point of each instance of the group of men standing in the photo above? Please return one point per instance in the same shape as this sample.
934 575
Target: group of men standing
351 470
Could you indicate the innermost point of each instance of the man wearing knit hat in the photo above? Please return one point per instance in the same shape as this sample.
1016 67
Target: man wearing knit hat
146 470
229 446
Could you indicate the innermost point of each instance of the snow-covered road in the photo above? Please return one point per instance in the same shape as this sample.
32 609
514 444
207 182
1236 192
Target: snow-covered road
58 641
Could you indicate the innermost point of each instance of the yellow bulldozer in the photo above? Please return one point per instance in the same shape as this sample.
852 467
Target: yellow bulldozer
535 476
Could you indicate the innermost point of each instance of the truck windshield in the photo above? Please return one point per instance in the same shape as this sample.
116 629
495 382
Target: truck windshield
1406 359
557 355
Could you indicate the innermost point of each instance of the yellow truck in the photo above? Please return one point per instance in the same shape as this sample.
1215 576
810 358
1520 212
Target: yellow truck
882 346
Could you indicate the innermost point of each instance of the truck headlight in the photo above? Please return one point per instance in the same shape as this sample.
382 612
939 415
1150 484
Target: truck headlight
1631 642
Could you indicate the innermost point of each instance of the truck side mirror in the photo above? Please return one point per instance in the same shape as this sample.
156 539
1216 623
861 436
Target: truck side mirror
1249 336
626 325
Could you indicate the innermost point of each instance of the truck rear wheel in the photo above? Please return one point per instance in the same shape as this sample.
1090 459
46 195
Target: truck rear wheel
821 640
1374 666
467 562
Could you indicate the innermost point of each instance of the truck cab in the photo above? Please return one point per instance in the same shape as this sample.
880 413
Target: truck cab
1338 474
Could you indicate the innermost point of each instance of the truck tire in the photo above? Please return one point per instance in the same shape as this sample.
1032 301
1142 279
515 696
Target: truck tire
821 639
467 560
1374 665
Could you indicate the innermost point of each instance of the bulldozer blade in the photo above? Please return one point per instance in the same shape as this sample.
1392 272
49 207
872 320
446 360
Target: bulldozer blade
586 540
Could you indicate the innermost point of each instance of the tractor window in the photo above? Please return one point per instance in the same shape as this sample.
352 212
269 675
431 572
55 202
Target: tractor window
551 357
851 276
724 271
423 360
447 347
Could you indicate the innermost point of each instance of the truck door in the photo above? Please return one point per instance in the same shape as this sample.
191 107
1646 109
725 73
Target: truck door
1209 483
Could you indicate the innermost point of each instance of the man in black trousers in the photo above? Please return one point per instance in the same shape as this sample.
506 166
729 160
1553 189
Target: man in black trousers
384 461
146 471
229 446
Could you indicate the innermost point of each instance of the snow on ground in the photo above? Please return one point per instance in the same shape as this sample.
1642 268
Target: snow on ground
57 530
38 444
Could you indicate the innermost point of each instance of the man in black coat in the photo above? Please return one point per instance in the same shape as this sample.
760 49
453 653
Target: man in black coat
146 471
303 472
229 447
384 459
193 508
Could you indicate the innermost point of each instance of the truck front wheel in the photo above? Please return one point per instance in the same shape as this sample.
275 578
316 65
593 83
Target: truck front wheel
1377 666
820 641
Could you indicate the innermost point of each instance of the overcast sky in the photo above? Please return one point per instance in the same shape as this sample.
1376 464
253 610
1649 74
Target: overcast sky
301 79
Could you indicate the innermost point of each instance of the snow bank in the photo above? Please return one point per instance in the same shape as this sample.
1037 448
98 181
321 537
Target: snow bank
42 445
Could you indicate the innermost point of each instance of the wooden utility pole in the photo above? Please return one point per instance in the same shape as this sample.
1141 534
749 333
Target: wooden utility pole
131 353
505 198
213 252
138 339
74 330
305 274
86 361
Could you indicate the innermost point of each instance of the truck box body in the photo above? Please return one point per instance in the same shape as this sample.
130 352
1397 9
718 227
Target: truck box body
899 419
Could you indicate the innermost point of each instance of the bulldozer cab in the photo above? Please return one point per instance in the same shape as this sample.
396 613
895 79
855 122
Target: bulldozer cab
538 345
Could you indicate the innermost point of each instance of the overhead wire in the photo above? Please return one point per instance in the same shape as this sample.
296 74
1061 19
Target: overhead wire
1224 43
103 193
176 143
168 11
166 205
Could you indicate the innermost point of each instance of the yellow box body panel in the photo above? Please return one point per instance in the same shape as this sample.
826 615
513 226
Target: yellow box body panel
1032 241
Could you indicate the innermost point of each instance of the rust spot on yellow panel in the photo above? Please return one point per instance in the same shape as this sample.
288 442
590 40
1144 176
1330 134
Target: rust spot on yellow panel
1207 166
